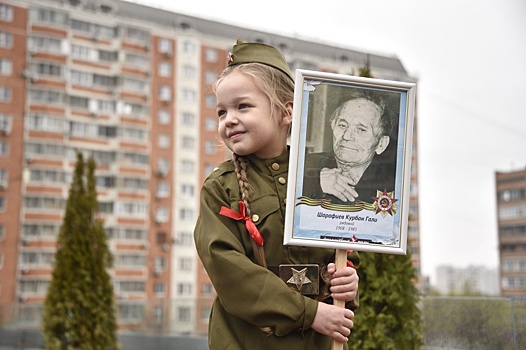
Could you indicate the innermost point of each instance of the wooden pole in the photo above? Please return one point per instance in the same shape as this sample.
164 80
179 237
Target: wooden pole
341 263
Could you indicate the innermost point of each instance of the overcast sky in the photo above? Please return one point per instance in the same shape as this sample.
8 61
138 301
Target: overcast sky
469 58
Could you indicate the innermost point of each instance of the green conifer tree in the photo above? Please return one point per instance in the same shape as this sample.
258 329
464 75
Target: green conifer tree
79 311
389 317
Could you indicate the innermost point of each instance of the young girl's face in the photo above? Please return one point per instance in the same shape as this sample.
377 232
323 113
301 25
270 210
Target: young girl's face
245 124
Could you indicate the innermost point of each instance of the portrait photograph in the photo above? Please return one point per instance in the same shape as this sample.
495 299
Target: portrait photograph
349 173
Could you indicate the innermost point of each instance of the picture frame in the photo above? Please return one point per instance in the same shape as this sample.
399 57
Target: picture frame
350 163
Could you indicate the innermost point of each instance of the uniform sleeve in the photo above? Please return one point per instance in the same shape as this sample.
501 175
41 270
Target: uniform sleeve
245 289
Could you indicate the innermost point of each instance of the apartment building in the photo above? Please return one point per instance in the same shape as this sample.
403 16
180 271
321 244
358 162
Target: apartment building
129 85
511 219
470 280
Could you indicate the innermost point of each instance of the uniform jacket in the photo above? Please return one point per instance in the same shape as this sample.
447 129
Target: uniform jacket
248 295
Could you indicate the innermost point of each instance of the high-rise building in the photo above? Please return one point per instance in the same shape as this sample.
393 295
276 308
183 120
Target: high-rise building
129 85
511 219
470 280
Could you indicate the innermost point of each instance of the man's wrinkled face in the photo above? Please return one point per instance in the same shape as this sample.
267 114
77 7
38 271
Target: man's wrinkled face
357 132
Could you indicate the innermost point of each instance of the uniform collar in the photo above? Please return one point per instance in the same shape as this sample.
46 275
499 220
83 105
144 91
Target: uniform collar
268 166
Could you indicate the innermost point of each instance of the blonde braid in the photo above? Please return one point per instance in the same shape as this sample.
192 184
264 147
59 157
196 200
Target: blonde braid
240 166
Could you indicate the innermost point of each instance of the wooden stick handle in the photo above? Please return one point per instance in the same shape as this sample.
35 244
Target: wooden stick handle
341 263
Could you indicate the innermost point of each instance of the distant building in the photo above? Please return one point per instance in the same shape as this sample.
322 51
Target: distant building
129 85
511 218
470 280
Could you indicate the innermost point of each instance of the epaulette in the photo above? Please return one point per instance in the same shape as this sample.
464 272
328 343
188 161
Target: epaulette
222 169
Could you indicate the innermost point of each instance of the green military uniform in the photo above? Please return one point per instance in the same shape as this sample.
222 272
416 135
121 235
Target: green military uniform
250 296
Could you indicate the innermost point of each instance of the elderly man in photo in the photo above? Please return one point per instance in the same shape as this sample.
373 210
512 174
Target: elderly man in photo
356 167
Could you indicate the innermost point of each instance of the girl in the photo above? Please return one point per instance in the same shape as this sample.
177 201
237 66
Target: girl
239 233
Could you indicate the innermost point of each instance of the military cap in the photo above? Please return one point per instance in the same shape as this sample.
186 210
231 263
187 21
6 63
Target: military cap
244 52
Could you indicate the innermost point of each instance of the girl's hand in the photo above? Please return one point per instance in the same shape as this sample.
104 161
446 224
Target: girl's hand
344 282
333 321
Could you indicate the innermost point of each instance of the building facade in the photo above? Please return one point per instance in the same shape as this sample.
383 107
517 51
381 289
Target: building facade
471 280
511 219
129 85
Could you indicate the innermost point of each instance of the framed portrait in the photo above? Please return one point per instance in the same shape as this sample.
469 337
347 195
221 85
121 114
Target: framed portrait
350 163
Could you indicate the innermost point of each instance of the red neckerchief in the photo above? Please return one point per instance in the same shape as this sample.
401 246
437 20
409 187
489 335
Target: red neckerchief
249 224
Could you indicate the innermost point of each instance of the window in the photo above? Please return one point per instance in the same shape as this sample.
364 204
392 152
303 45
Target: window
4 149
135 85
165 46
47 149
2 203
159 263
187 190
210 147
210 123
44 175
3 178
6 66
6 13
48 16
44 44
136 34
6 40
5 124
159 288
135 158
5 94
108 56
132 209
163 116
82 52
130 286
185 264
189 95
133 182
164 69
188 48
163 189
185 238
95 30
188 71
162 215
37 258
184 314
137 60
47 96
187 166
130 260
206 289
188 119
211 55
163 166
210 101
165 93
188 142
184 289
133 134
163 141
34 286
186 214
210 77
47 69
45 123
